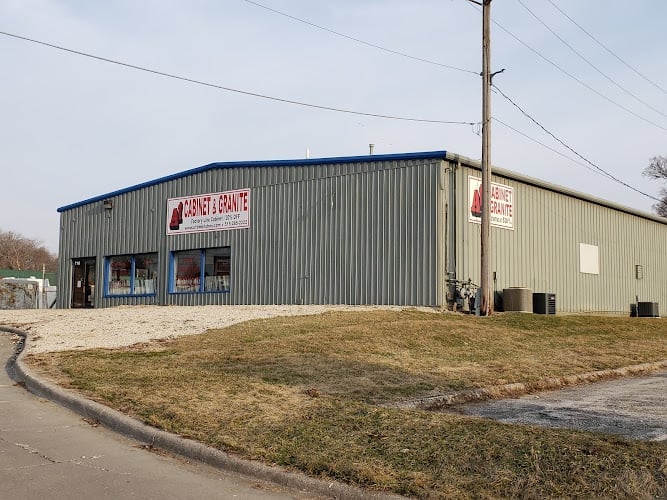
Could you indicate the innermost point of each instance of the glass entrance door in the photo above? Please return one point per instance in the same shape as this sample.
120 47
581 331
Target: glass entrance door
83 283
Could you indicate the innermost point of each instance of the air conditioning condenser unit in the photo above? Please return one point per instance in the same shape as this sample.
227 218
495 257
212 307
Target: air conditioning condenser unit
647 310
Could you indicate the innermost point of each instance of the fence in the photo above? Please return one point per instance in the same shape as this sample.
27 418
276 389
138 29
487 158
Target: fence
18 293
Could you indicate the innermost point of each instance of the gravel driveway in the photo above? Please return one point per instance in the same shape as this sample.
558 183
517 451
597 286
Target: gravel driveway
64 329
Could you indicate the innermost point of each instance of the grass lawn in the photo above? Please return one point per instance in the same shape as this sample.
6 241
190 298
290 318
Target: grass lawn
310 393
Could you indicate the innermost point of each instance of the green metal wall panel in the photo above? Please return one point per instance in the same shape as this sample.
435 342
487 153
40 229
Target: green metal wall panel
543 250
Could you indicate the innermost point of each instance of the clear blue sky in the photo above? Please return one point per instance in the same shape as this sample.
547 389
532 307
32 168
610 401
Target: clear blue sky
73 127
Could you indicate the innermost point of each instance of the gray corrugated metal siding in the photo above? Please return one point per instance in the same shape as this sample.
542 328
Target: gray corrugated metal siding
361 233
375 231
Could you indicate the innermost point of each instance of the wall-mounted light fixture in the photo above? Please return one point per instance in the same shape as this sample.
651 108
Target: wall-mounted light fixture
107 204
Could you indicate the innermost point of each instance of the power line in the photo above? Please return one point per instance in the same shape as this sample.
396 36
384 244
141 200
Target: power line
597 169
578 80
546 146
229 89
603 171
455 68
327 108
636 71
581 82
587 61
358 40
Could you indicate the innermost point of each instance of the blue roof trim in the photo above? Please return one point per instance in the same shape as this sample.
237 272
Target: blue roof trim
263 163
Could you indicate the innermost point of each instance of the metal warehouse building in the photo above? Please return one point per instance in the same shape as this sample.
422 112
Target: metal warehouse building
384 229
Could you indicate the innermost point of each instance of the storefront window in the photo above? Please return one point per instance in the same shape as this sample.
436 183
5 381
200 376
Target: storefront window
132 274
217 269
120 275
187 271
145 274
197 271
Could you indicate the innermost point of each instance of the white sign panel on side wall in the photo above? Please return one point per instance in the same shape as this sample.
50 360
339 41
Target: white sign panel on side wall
501 205
589 259
209 212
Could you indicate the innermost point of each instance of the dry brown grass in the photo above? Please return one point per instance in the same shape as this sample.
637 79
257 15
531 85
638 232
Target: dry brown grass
303 392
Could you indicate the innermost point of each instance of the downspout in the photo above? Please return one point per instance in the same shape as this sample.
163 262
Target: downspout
451 216
442 236
455 232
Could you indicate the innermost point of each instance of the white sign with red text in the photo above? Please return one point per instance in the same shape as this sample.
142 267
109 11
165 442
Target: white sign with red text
501 204
209 212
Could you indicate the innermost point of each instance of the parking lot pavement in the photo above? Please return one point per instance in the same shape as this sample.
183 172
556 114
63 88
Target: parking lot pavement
634 407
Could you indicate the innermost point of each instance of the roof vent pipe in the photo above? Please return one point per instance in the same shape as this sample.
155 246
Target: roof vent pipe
370 149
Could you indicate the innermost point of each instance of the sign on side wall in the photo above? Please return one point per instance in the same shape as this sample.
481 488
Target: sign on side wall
209 212
501 205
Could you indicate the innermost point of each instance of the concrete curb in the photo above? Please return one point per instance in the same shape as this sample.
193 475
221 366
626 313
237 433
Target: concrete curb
155 438
440 401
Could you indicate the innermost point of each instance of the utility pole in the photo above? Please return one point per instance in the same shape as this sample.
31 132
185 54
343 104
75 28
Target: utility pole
486 308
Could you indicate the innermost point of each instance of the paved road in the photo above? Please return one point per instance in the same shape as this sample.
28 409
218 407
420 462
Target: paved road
49 452
632 407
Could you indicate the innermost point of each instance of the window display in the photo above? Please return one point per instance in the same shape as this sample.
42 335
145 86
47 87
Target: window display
197 271
132 274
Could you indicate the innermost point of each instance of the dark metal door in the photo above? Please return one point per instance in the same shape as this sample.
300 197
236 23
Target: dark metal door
83 283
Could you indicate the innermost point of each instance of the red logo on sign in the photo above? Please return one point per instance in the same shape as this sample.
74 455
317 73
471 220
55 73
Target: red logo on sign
476 207
176 218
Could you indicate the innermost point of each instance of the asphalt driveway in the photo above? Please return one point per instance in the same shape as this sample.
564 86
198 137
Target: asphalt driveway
633 407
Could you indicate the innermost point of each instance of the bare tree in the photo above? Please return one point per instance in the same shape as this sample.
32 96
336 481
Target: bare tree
18 252
657 169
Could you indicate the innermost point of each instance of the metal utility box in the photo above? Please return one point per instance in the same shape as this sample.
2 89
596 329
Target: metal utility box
518 299
544 303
